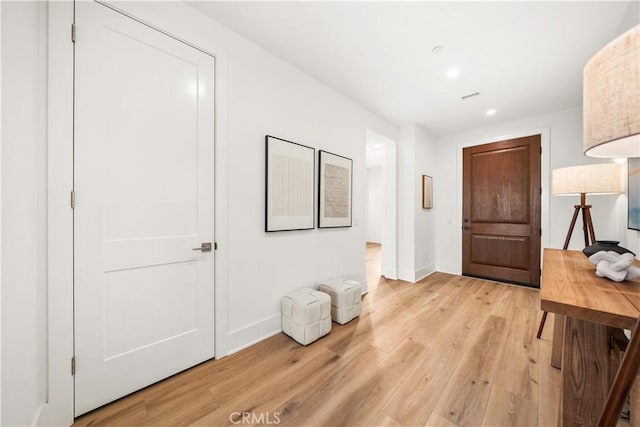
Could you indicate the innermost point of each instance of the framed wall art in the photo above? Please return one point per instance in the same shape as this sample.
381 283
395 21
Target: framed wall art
289 185
427 192
334 191
633 221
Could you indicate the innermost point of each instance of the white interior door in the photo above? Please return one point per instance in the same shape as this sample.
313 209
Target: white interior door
144 199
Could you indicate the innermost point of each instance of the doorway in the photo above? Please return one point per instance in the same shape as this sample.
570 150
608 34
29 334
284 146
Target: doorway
502 210
143 206
381 206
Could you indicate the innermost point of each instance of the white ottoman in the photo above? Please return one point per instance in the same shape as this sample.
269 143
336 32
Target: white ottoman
345 298
306 315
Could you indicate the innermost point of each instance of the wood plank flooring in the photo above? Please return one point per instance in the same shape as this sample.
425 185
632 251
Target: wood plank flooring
447 351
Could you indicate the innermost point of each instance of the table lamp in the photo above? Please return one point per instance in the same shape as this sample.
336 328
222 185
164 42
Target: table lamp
611 120
601 178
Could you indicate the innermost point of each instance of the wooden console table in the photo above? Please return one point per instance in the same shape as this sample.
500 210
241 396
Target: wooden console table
591 307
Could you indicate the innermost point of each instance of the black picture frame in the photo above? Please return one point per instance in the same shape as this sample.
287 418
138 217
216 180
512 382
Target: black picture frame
335 190
289 185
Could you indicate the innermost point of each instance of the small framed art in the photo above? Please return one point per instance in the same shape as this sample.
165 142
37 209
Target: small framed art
334 190
289 185
634 193
427 192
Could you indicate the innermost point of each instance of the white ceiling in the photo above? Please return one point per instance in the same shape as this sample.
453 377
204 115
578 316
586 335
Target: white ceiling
525 58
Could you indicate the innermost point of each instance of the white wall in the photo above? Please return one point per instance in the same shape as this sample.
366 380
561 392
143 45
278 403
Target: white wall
631 17
406 203
416 226
375 204
24 264
425 220
267 96
565 149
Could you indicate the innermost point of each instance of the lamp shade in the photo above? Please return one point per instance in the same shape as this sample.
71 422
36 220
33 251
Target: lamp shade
611 99
590 179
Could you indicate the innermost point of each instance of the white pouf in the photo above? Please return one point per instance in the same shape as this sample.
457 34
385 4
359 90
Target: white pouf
345 298
306 315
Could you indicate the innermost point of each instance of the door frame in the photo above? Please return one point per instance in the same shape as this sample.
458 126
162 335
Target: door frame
503 273
544 182
59 406
389 231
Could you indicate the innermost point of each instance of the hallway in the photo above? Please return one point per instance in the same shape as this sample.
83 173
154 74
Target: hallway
374 259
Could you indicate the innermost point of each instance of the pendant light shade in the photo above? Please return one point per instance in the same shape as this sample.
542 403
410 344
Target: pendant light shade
611 99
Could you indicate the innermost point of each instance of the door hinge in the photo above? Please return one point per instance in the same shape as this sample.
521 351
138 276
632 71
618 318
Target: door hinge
73 199
73 33
73 365
215 246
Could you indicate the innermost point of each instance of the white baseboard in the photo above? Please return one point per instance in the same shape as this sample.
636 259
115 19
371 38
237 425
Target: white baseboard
407 276
246 336
448 268
390 274
425 271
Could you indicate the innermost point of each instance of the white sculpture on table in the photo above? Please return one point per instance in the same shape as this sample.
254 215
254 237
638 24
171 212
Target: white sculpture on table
615 266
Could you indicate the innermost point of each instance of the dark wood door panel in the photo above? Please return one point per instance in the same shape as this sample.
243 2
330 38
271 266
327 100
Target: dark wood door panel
501 274
502 251
501 210
501 183
502 229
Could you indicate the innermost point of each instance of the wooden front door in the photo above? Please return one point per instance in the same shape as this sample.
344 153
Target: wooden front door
501 211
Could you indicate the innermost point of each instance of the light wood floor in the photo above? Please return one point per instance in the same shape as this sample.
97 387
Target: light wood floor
446 351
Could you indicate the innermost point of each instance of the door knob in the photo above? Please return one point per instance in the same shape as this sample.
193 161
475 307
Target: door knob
466 227
205 247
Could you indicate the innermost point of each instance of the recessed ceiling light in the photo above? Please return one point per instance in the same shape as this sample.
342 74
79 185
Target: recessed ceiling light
452 73
437 49
491 112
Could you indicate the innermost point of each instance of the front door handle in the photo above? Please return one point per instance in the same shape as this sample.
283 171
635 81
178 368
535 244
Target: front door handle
466 227
205 247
